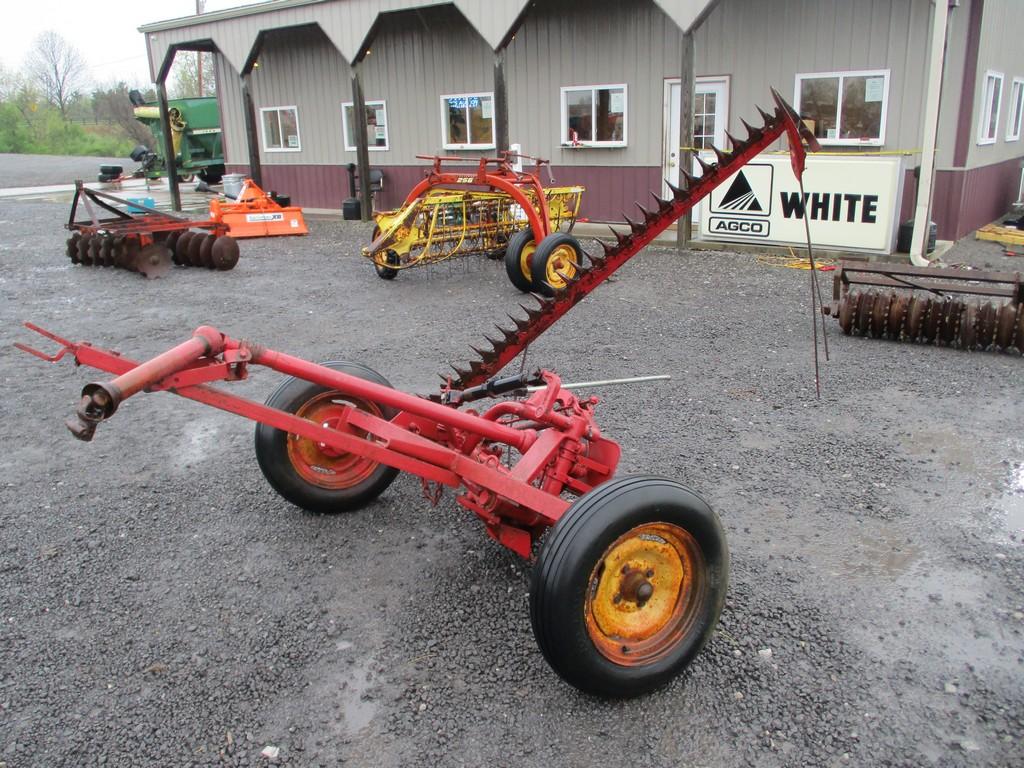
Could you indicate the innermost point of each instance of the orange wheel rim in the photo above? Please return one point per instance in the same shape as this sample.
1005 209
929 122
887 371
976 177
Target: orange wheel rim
318 463
645 594
561 262
525 257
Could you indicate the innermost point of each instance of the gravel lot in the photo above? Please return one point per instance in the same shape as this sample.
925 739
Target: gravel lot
159 605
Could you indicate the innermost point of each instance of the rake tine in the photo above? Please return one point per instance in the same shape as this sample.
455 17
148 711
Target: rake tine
649 216
621 238
690 178
634 226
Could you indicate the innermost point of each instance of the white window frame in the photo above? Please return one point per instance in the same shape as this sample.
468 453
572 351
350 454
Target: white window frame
1016 113
985 115
444 121
564 138
344 125
263 128
840 142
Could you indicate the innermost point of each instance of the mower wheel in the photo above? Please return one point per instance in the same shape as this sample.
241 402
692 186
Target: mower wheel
629 586
309 474
387 272
555 263
518 255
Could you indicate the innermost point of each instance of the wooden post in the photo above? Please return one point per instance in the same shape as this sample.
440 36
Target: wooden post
362 145
251 139
684 227
170 162
501 138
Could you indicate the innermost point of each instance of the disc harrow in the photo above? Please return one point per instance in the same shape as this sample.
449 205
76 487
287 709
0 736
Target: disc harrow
579 279
144 240
938 312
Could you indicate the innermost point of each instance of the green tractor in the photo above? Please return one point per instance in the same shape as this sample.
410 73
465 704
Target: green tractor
195 135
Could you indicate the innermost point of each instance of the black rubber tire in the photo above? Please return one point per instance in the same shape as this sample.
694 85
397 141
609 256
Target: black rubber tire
111 170
272 450
541 256
387 273
513 256
561 579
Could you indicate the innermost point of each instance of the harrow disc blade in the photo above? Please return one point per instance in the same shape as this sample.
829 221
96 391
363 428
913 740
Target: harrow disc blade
181 248
931 321
847 311
915 316
129 254
224 253
195 245
986 325
1006 322
950 321
171 242
107 251
897 314
154 260
205 247
864 311
72 248
969 326
880 314
83 251
95 258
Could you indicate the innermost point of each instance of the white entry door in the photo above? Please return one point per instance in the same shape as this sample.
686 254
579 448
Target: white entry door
710 120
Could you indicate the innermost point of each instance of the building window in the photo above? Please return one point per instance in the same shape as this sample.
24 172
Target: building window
376 126
991 102
467 120
1016 110
844 107
594 116
281 129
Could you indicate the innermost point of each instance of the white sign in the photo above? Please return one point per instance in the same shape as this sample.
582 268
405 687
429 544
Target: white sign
874 88
486 109
293 140
851 203
617 103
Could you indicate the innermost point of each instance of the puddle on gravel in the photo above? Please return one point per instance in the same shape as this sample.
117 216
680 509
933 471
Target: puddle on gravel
1011 503
358 711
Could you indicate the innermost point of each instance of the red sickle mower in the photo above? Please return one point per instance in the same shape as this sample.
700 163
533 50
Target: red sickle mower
630 581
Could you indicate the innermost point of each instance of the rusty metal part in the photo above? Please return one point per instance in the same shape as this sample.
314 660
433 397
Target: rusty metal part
72 249
644 593
880 315
847 312
783 121
181 248
1020 329
154 260
986 325
897 315
205 248
1006 322
224 254
937 311
195 246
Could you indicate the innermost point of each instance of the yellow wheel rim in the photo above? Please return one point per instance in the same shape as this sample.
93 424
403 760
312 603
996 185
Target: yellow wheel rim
525 256
562 260
645 594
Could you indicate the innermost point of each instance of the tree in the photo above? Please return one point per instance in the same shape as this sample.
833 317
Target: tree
185 81
58 68
111 104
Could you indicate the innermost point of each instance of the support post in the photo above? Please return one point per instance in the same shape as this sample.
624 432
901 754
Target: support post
251 139
362 144
684 227
170 162
501 137
922 212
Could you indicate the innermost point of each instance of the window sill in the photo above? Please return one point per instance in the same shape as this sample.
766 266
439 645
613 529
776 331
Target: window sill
1009 139
851 142
594 145
283 149
470 147
986 142
371 149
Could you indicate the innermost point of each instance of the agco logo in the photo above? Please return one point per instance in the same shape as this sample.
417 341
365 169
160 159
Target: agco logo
744 227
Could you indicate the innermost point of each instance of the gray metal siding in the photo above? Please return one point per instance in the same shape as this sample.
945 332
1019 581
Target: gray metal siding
301 68
232 120
416 57
1001 51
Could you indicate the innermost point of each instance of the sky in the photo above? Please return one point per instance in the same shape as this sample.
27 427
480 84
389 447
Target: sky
105 32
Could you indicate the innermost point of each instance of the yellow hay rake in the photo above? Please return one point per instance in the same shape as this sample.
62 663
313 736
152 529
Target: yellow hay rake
453 214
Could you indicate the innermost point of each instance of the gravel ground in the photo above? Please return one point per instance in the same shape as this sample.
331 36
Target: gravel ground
159 605
37 170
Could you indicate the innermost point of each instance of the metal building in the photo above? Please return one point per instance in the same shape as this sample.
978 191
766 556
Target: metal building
595 87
